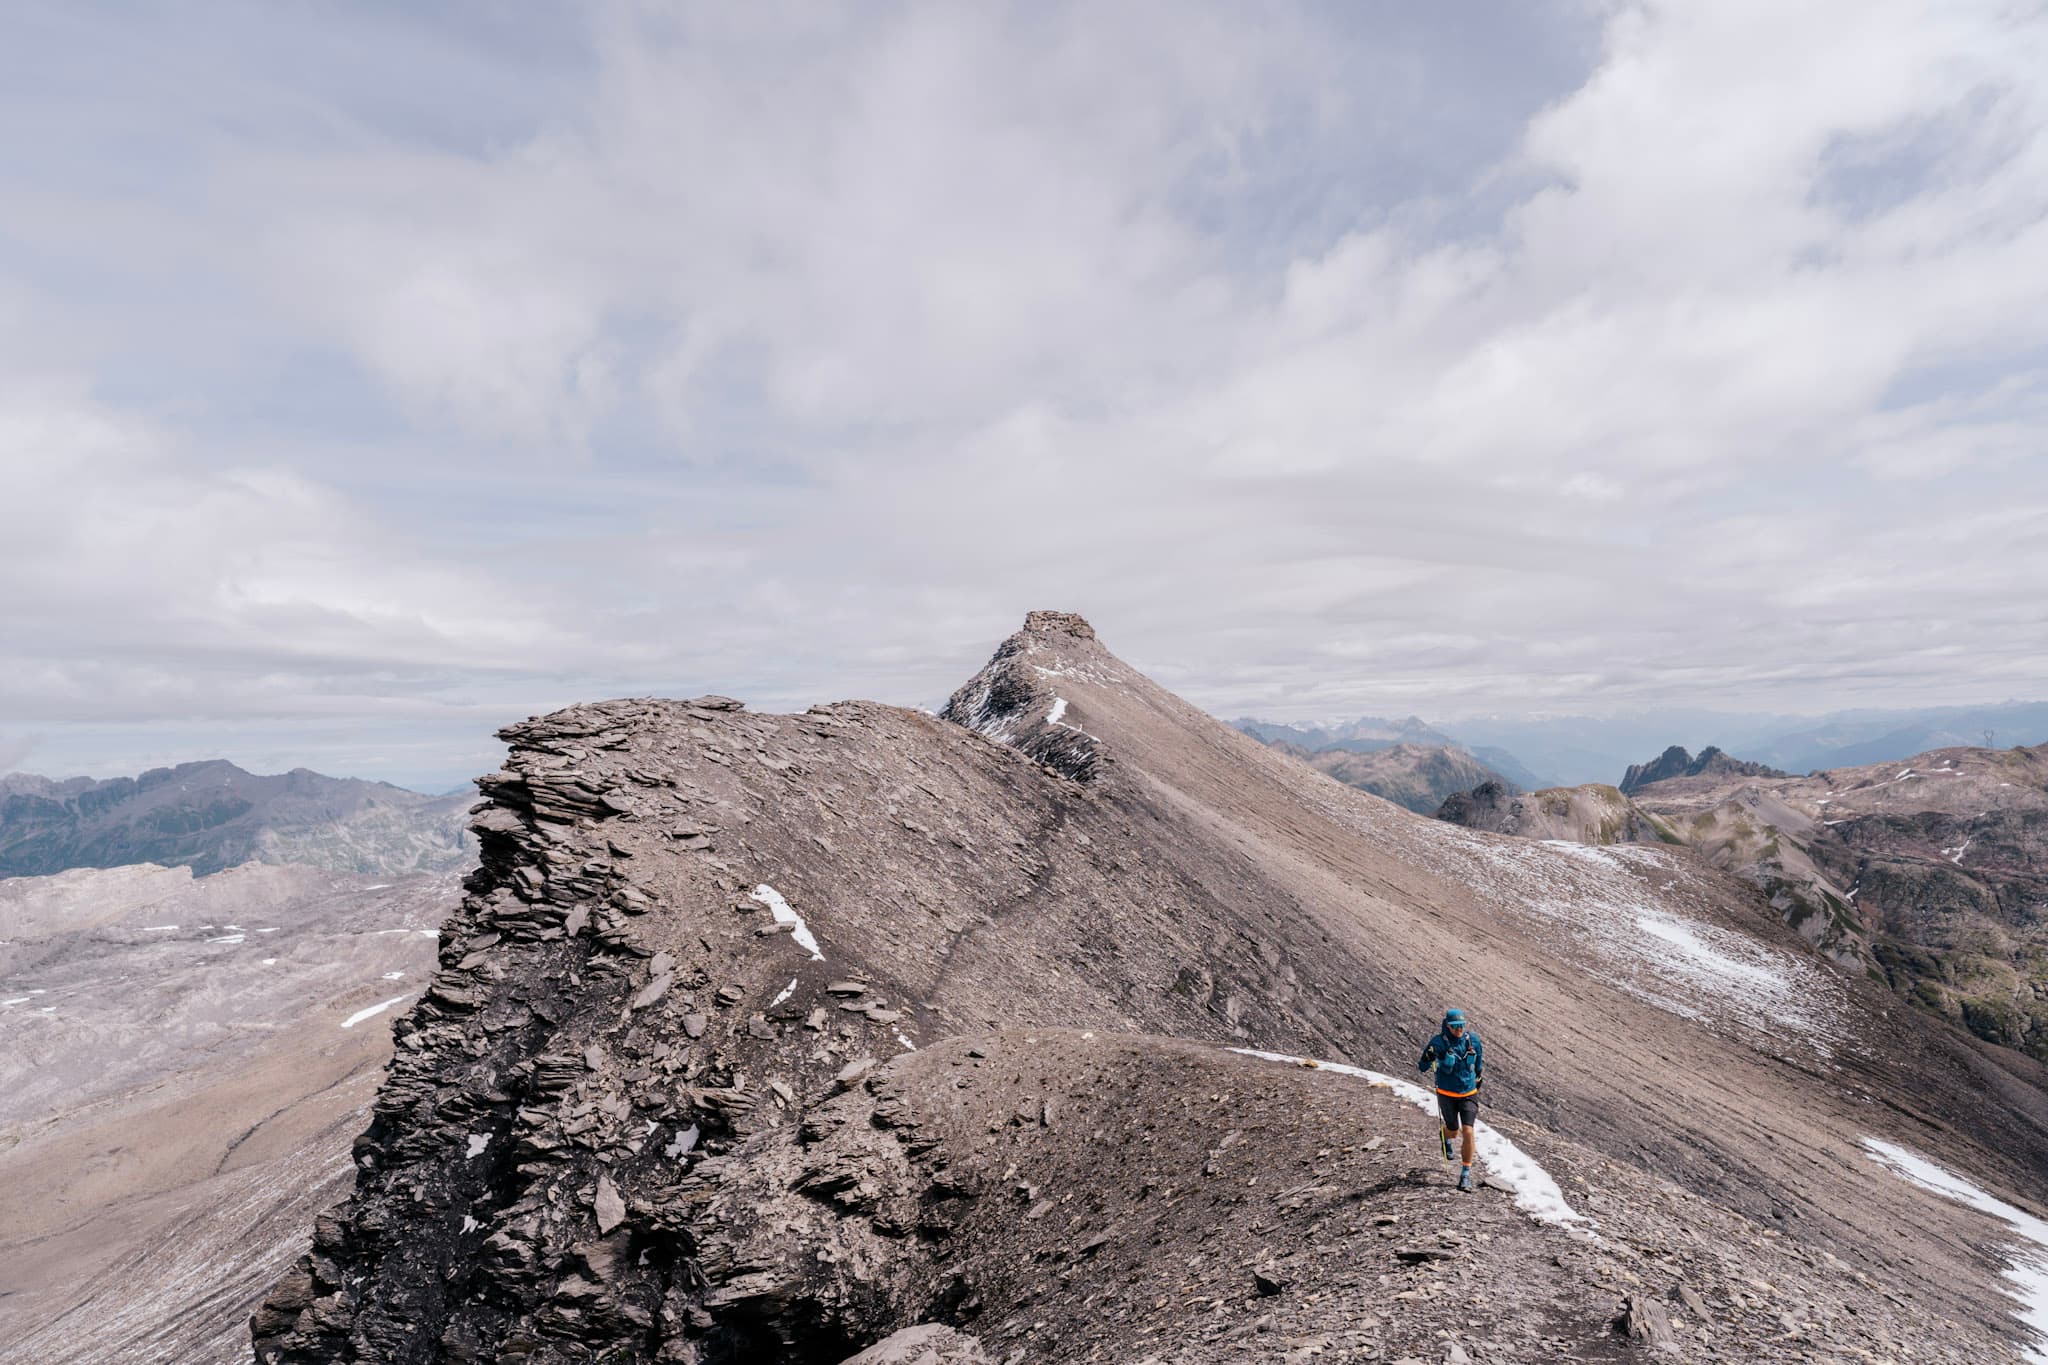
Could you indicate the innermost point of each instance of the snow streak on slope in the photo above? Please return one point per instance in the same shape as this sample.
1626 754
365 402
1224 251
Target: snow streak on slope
1625 907
2028 1270
372 1011
1536 1194
779 908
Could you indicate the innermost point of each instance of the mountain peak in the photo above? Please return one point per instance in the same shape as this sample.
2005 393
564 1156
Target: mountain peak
1058 623
1012 702
1676 762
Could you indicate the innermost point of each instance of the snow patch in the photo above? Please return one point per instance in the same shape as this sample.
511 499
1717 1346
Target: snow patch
392 976
470 1224
270 962
228 938
908 1046
779 908
374 1010
783 994
1696 955
156 928
17 1000
477 1143
1059 708
1536 1194
2027 1270
1583 852
271 930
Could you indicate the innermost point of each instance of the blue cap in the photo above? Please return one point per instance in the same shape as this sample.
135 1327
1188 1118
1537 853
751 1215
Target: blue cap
1454 1017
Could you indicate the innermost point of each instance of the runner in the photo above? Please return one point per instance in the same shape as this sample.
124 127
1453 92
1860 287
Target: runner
1457 1056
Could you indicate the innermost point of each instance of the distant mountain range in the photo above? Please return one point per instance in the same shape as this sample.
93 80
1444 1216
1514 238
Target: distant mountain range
212 815
1418 776
1571 750
1372 735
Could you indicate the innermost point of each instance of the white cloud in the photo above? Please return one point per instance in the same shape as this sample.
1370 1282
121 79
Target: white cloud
797 356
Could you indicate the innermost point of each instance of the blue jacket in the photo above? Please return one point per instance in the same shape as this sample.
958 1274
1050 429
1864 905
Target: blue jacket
1457 1061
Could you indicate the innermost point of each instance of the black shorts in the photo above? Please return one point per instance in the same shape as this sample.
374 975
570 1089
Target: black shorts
1458 1111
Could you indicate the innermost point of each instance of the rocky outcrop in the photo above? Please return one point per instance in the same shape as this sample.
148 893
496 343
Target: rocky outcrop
213 815
1013 700
1676 762
764 1038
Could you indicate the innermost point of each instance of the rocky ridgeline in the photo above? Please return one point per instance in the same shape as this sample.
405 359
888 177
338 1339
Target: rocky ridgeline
623 1004
771 1038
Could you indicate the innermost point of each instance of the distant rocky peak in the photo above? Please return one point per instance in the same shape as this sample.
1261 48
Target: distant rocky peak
1013 699
1677 762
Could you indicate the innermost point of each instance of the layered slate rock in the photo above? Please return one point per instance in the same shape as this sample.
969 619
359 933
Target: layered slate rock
765 1038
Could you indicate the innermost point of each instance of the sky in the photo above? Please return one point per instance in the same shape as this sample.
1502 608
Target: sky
374 374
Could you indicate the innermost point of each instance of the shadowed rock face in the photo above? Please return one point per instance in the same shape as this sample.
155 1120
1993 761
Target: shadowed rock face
767 1037
212 815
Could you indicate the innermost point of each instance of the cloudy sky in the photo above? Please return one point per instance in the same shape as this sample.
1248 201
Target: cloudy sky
371 374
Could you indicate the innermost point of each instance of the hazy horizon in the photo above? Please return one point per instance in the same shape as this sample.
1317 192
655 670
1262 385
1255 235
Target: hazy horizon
1691 727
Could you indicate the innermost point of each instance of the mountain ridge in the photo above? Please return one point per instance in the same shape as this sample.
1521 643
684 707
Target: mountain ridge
211 815
729 989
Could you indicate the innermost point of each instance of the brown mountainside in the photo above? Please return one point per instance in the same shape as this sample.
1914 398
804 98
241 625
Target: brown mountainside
1931 872
179 1087
763 1037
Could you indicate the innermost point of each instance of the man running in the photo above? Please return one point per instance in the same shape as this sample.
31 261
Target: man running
1457 1057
